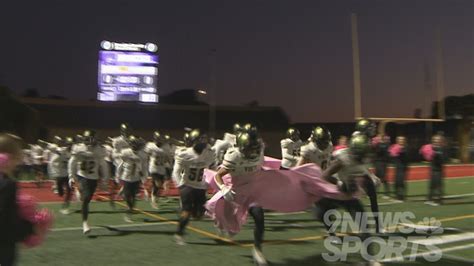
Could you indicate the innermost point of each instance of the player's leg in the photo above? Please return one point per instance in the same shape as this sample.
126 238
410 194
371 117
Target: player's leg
354 207
380 172
62 184
199 202
38 175
59 186
258 232
128 195
186 196
166 184
88 187
68 195
374 206
157 183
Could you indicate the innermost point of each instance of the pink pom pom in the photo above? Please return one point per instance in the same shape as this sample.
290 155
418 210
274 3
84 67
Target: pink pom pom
340 147
376 140
427 152
395 150
4 159
42 220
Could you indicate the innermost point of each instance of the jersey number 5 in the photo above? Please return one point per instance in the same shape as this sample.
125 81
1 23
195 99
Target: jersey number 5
196 174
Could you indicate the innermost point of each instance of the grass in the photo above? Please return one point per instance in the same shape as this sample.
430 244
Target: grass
291 239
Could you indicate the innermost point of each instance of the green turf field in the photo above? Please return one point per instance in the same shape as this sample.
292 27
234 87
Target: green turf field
291 239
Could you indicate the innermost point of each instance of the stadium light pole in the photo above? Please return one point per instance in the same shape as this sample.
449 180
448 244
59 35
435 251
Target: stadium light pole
440 75
212 93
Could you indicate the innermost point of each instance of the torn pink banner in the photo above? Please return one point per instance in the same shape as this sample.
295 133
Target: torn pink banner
279 190
271 163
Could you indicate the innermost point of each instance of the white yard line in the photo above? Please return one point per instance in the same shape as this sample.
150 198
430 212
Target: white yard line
416 255
441 240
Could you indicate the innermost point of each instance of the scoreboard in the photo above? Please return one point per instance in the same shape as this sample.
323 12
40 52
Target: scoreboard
128 72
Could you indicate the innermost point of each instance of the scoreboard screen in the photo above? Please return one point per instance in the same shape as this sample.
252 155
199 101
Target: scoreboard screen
128 72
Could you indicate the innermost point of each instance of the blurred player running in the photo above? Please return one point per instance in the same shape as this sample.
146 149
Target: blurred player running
189 165
131 170
86 161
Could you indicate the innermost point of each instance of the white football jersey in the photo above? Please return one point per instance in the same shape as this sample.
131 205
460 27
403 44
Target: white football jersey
58 163
47 152
222 145
350 167
108 152
86 161
189 167
27 159
237 165
133 166
36 154
118 143
159 158
290 152
311 152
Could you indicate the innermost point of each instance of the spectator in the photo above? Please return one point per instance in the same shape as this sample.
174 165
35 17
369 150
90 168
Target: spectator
398 152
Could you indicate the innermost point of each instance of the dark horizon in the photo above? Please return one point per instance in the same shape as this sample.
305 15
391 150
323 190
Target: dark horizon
297 56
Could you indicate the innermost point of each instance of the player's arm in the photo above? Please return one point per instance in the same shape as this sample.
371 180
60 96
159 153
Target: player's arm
177 169
72 167
119 171
104 168
303 160
218 177
329 173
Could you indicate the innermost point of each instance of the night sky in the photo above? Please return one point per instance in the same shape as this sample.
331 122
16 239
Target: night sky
293 54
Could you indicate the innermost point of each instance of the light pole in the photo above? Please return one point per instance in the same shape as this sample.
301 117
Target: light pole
211 92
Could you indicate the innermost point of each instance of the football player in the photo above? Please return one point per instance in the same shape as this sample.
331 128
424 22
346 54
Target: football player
58 169
379 153
159 160
290 149
131 170
221 146
190 162
118 144
37 155
247 157
347 167
86 161
319 149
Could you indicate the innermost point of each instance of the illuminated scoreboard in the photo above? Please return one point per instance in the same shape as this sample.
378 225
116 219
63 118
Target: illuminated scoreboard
128 72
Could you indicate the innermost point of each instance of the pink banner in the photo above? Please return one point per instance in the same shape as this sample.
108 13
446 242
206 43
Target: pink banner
278 190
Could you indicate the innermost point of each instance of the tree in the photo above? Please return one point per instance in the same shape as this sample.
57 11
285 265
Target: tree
31 93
